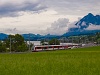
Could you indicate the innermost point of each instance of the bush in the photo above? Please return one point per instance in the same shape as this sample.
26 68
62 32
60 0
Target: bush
22 48
2 49
54 42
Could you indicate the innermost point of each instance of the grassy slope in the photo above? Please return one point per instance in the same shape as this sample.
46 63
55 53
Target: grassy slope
85 61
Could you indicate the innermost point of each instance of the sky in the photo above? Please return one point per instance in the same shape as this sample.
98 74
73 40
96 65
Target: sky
43 16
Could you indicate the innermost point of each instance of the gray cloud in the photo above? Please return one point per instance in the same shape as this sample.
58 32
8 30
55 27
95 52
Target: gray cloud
58 27
69 7
74 7
11 9
10 30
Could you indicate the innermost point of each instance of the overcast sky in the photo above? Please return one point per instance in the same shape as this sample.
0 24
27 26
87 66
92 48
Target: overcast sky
43 16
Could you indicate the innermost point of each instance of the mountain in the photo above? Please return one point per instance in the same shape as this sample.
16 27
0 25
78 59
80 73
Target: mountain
3 36
82 25
87 20
38 36
31 36
78 33
80 28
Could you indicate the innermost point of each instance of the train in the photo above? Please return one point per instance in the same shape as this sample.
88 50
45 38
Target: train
53 47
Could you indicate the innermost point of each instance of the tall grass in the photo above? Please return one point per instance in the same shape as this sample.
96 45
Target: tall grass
84 61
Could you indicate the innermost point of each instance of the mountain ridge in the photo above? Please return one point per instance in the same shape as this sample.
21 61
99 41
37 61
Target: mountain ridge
79 29
87 20
83 24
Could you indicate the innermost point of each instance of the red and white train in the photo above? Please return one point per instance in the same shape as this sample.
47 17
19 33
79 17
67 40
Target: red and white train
52 47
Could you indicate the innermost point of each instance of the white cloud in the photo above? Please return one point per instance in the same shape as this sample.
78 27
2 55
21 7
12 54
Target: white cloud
59 27
72 25
37 16
93 27
30 22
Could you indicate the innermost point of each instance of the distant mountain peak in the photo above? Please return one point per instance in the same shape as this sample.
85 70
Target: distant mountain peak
90 14
87 20
84 23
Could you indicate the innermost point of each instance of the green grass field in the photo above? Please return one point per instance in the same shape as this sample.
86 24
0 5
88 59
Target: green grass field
84 61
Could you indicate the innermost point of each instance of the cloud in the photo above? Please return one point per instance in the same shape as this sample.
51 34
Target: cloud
10 30
72 25
13 8
69 7
93 27
29 23
28 16
58 27
74 7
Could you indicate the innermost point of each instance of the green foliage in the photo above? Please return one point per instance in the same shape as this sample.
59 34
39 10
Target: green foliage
85 38
17 43
2 47
54 42
44 42
22 48
83 61
19 39
94 38
98 40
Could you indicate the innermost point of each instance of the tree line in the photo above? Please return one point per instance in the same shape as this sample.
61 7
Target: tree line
16 43
13 43
73 39
83 39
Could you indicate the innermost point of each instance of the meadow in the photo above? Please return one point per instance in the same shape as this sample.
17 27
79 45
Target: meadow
82 61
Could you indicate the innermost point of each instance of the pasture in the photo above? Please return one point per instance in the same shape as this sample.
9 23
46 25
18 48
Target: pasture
82 61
